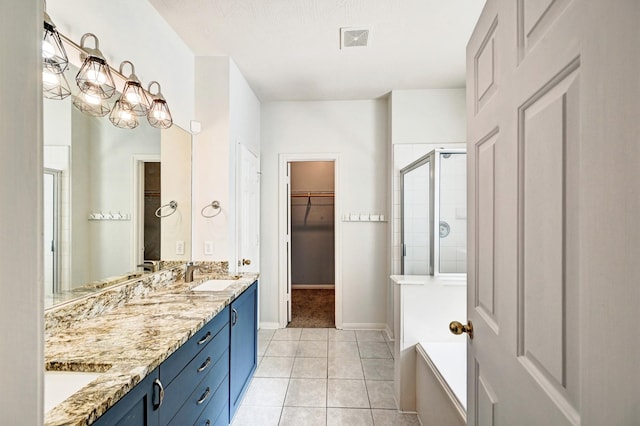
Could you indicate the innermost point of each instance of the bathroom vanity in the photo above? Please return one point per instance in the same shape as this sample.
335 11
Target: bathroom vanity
173 356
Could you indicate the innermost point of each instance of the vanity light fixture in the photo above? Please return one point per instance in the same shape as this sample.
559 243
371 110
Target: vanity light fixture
54 56
91 103
94 77
123 116
133 95
159 115
54 84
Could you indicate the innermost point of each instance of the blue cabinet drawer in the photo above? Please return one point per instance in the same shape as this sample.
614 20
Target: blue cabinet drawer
215 355
181 357
204 393
217 411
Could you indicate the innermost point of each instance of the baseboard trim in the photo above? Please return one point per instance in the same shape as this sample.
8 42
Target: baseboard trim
363 326
269 325
313 286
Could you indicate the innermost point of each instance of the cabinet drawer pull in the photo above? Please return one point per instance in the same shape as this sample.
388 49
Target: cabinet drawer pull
158 385
205 339
204 396
208 423
204 365
234 316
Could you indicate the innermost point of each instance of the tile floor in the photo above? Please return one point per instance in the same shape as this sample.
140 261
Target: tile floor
322 376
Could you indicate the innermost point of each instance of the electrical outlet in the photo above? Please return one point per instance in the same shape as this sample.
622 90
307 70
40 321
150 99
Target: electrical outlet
179 247
208 247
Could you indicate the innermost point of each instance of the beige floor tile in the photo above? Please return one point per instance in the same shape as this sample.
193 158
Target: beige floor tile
266 392
309 368
374 350
343 350
381 394
275 367
306 393
342 335
347 394
394 418
349 417
282 348
378 369
263 344
369 336
345 368
287 334
303 416
314 334
252 416
266 333
312 348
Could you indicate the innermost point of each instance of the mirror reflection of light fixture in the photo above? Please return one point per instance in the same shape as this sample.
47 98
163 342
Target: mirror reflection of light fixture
159 115
53 54
91 103
133 95
54 84
122 116
94 76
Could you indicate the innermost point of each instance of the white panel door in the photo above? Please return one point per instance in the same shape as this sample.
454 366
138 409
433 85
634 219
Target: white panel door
248 211
553 90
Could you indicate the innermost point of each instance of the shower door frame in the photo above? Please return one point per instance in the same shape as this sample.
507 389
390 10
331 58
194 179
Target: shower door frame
433 158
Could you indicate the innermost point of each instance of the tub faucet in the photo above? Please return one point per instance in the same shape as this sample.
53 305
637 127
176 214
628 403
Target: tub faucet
189 270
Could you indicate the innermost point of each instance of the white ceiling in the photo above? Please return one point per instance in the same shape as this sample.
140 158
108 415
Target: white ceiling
290 49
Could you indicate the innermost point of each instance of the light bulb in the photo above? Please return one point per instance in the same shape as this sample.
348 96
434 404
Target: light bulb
49 78
48 51
96 77
125 115
92 99
159 115
133 98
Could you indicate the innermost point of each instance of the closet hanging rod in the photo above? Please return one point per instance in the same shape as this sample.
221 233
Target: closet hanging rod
312 194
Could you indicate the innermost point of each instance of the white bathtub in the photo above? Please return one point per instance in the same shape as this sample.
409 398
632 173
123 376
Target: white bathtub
423 308
441 383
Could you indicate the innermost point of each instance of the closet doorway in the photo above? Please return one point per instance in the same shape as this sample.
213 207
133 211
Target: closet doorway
311 287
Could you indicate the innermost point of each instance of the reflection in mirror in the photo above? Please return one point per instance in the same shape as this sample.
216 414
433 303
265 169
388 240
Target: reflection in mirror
102 187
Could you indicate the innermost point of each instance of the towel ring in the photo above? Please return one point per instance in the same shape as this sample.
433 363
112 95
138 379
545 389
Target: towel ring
172 205
214 205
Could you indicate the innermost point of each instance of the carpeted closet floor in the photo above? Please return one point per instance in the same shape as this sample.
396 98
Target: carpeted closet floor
312 309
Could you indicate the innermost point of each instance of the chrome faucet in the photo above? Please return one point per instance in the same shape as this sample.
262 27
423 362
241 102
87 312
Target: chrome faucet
189 270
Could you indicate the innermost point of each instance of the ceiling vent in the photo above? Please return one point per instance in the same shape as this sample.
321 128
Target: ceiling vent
353 37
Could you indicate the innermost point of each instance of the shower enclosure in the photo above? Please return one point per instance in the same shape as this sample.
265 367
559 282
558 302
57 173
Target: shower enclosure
434 214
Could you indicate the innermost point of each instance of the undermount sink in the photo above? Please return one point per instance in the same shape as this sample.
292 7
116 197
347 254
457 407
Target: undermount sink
214 285
60 385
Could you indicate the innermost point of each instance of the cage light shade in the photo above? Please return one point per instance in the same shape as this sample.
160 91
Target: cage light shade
95 75
54 84
53 54
134 97
91 103
159 115
122 117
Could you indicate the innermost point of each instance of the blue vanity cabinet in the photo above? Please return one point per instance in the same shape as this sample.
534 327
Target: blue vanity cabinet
244 341
139 407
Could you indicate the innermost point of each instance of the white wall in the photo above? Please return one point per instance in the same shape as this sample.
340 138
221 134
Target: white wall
357 132
229 113
134 31
21 306
428 116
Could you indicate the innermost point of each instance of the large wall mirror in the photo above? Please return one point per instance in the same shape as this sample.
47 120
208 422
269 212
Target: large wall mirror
102 189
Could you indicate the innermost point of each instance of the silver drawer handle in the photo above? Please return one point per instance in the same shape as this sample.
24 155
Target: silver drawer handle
158 384
234 316
204 396
204 365
205 339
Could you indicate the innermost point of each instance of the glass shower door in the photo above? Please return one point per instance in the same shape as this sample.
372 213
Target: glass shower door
416 218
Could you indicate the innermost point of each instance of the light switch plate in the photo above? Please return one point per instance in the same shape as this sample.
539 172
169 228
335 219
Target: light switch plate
208 247
179 247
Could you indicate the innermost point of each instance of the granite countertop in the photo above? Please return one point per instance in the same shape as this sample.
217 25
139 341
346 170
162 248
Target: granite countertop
128 342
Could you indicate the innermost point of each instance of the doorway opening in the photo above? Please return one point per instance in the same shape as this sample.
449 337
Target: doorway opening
312 243
309 271
147 199
51 208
